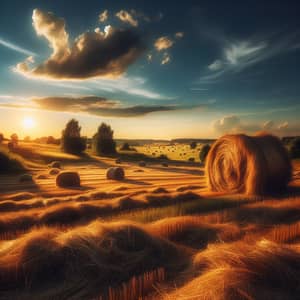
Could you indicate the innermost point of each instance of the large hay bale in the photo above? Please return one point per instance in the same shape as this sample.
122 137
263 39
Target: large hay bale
253 165
68 179
115 173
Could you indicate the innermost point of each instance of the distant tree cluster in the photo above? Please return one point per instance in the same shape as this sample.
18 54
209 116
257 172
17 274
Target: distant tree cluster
103 141
71 140
203 152
193 145
125 147
294 148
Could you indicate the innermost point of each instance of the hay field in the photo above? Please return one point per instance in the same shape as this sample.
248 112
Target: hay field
174 151
158 234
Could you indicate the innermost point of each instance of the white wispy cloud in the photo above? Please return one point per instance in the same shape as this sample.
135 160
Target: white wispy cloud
239 55
242 52
129 85
15 47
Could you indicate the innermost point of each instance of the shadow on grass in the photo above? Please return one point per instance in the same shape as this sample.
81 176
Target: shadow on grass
136 182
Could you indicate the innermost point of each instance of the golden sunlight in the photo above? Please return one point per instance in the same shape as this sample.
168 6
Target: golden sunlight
28 123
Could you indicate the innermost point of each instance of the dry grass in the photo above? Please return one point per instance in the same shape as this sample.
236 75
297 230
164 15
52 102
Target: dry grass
264 270
136 288
209 245
193 232
79 263
79 210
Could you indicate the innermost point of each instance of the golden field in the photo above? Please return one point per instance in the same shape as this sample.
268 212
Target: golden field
158 234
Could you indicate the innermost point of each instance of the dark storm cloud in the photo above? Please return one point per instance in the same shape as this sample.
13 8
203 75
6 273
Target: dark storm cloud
98 106
105 53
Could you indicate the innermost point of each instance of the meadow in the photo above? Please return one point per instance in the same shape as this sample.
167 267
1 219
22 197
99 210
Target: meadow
160 233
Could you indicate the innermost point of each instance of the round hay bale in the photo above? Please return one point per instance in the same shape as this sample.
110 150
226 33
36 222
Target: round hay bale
253 165
142 164
115 173
68 179
54 171
26 178
55 164
118 161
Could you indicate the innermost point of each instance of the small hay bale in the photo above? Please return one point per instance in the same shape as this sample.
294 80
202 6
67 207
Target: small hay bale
55 164
26 178
165 165
42 176
54 171
252 165
142 164
115 173
68 179
118 161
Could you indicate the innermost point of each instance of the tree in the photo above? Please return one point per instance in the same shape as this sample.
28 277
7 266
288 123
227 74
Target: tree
1 138
14 139
71 141
125 147
295 148
103 141
193 145
203 152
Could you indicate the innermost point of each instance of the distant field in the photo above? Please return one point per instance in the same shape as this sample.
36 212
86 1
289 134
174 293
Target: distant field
177 151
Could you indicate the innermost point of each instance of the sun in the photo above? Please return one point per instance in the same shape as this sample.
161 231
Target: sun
28 123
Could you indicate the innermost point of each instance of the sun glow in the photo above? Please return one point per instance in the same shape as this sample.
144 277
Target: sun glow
28 123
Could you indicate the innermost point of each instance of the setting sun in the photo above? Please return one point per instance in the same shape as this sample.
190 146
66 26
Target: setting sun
28 123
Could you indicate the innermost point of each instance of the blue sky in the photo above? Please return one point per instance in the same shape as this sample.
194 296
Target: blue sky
151 70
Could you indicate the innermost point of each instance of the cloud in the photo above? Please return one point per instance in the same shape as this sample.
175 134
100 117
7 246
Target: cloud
234 124
129 85
227 124
93 54
283 125
16 47
239 55
179 34
268 125
103 16
216 65
166 58
163 43
243 52
126 17
91 105
73 103
99 106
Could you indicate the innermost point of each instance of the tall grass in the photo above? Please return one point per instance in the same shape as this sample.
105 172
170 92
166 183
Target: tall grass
136 288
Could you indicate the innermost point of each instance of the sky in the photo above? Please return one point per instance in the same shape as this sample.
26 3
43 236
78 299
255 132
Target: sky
150 69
